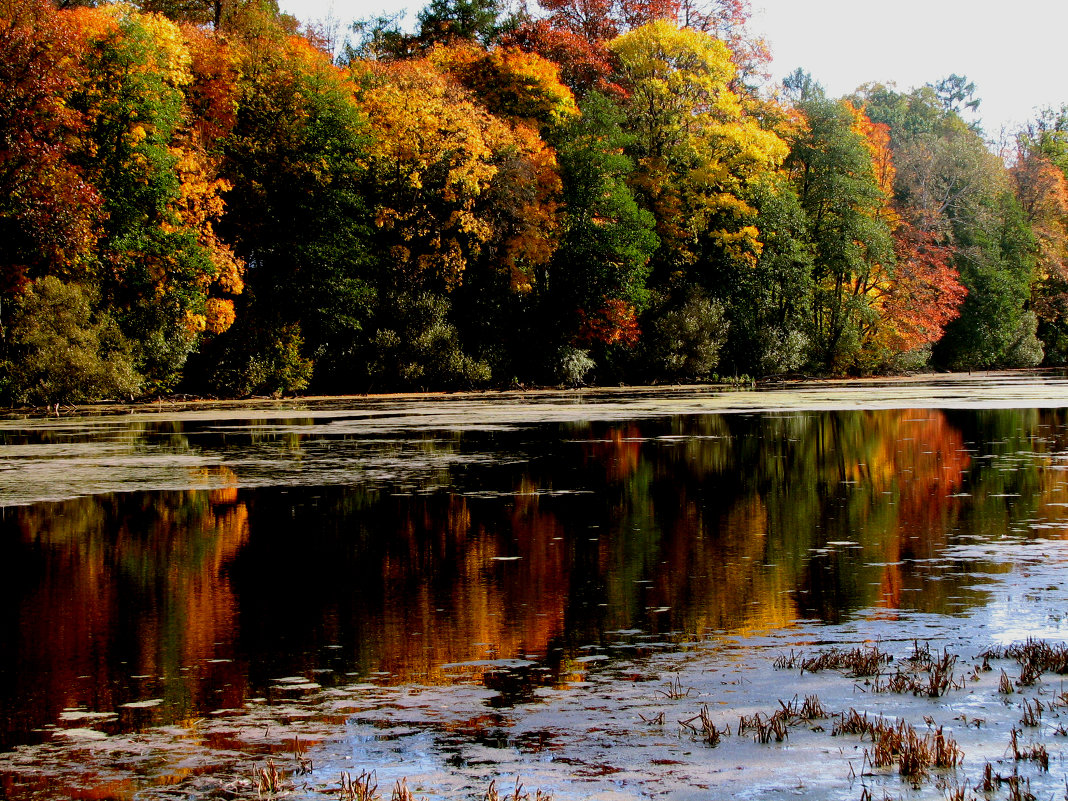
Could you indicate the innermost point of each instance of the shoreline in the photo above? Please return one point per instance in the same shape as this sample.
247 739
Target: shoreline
186 403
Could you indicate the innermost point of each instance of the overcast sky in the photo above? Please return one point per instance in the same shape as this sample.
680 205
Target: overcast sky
1014 51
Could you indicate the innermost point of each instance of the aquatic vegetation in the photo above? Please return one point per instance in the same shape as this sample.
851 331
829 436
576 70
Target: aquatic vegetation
675 690
364 787
1005 684
707 731
1032 713
1036 752
857 662
268 779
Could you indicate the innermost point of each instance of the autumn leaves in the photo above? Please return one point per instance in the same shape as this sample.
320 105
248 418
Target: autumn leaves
596 192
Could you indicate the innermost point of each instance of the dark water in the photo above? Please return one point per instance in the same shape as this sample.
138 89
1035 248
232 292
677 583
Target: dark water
449 547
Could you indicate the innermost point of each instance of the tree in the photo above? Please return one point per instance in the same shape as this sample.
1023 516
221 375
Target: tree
164 273
956 94
585 66
608 240
926 292
768 305
698 152
1038 179
295 210
830 163
48 211
995 254
450 21
509 82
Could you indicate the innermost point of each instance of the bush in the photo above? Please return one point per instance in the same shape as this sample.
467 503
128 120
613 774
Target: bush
416 347
685 342
264 361
61 352
573 365
1025 350
780 350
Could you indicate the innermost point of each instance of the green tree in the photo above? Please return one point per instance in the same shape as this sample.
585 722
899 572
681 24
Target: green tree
957 193
831 167
163 273
607 240
769 304
295 210
446 21
996 256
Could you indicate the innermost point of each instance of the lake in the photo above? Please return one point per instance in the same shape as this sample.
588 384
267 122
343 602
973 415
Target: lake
602 594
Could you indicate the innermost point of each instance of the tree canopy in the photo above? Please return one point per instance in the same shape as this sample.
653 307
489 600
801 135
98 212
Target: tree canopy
198 195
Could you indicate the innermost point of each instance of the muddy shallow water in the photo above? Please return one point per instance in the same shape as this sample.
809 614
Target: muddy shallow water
458 589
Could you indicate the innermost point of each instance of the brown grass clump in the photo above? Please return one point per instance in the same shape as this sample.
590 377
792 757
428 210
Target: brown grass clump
362 788
517 793
1005 685
675 690
1034 753
268 779
1035 657
902 745
707 730
304 765
1019 789
857 662
947 754
1032 715
402 793
766 728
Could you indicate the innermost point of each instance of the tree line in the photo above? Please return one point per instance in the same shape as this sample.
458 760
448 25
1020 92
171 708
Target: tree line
204 196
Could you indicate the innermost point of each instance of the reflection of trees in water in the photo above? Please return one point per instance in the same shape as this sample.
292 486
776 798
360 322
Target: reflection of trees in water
404 584
688 524
718 522
114 587
741 515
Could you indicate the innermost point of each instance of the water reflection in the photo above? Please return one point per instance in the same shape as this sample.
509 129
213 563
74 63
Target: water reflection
159 606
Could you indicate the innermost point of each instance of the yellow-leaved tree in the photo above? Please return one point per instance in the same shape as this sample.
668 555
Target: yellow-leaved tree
450 184
698 150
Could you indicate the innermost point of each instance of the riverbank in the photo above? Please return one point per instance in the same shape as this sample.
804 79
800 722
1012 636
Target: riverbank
939 387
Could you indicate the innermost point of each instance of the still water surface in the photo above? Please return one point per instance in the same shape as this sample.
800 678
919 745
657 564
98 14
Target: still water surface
159 569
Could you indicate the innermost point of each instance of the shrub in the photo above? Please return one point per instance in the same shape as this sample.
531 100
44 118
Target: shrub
685 341
573 365
264 361
416 347
61 352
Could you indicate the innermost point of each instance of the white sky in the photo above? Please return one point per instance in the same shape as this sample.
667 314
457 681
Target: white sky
1015 52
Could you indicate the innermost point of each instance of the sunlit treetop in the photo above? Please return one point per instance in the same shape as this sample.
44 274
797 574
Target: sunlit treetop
509 82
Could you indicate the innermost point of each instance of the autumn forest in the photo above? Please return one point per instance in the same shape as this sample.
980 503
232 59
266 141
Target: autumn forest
205 196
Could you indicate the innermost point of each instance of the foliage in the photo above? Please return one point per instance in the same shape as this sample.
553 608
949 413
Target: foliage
686 337
768 304
168 276
295 212
573 366
62 352
193 192
267 360
510 82
839 191
608 239
48 211
1040 186
698 152
416 347
585 65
